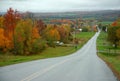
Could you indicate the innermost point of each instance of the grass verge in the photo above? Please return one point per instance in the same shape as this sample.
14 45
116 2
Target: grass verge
111 58
8 59
105 22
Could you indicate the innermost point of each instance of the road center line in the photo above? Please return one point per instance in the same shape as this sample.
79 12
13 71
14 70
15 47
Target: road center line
39 73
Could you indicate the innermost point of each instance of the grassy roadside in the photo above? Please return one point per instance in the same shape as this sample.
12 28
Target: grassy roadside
83 37
108 54
8 59
105 22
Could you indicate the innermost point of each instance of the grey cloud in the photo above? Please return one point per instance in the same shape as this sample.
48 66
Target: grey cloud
58 5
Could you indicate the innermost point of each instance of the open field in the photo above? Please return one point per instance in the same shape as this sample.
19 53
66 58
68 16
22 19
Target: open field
110 55
105 22
7 59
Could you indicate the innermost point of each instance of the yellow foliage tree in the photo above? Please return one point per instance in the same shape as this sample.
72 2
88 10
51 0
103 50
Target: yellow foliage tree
54 34
51 34
4 42
2 38
35 33
1 21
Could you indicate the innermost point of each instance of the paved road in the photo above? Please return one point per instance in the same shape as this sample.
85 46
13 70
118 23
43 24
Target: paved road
84 65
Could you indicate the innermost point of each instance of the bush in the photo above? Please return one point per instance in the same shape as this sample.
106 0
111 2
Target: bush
38 45
85 29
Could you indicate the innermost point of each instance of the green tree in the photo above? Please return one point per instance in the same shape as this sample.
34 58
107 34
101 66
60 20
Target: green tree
113 33
85 29
38 45
23 35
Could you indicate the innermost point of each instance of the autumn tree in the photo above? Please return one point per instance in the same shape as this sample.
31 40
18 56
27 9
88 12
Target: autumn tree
64 32
38 44
10 20
52 35
1 22
4 42
35 33
118 33
118 30
2 45
27 38
95 28
113 33
23 36
67 29
41 26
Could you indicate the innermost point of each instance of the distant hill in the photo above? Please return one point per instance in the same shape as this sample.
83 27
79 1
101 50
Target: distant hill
105 15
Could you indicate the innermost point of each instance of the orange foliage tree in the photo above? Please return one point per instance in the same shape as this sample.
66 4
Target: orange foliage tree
10 20
4 42
52 34
35 33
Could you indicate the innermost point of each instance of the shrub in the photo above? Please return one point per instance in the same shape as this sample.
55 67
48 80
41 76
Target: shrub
38 45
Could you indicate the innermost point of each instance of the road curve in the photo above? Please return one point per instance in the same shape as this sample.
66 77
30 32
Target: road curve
83 65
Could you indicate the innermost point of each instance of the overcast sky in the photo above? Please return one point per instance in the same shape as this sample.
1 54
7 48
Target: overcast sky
59 5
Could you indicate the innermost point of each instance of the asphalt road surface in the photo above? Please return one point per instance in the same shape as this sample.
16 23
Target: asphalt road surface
83 65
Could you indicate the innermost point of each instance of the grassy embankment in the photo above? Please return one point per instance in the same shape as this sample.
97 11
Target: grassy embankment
110 55
7 59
